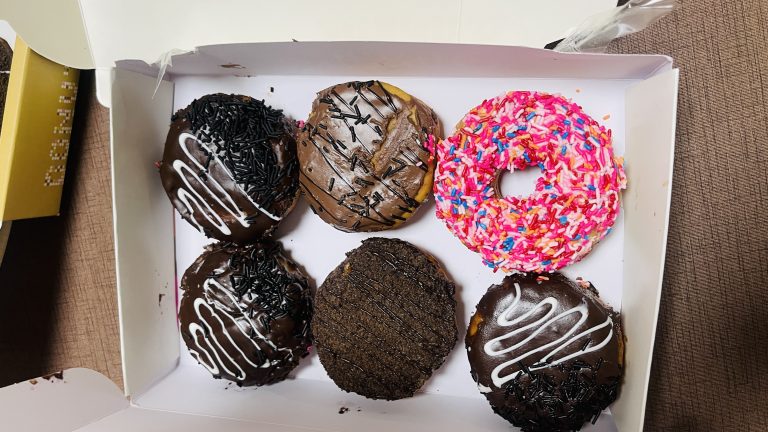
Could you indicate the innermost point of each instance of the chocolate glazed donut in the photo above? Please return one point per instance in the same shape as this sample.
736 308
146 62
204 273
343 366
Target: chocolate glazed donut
230 167
245 313
364 166
545 352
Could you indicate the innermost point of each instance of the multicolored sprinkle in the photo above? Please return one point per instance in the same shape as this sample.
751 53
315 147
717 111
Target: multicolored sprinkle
575 202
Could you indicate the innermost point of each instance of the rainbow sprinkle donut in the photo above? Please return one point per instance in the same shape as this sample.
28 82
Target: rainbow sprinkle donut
575 202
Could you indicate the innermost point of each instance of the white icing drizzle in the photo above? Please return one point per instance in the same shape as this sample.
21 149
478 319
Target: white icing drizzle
483 389
190 196
505 320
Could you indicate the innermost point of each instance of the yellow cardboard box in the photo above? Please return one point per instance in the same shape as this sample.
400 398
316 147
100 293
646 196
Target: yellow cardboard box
34 140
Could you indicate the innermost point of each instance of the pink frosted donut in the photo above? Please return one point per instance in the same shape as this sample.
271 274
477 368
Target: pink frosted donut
575 202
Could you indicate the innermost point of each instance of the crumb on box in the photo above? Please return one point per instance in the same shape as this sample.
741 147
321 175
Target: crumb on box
343 410
606 117
578 90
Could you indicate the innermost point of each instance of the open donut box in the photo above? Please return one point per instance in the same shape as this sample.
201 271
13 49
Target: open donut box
452 64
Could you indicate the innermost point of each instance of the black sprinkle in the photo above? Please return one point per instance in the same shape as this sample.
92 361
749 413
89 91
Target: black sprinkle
330 184
363 182
343 410
241 132
271 89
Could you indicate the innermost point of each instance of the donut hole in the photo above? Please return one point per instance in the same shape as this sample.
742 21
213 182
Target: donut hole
518 183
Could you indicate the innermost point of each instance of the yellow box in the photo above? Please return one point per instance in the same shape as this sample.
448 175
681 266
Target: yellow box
34 140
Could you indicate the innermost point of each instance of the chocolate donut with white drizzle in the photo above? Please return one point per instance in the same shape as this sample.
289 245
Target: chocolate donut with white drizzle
230 167
364 164
546 352
245 313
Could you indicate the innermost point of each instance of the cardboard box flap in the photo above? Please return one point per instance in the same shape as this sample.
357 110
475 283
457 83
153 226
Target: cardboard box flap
54 29
94 33
64 402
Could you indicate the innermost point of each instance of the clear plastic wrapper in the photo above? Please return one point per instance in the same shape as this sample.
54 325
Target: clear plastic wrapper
594 34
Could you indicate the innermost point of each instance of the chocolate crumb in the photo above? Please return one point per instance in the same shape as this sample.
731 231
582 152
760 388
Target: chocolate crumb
343 410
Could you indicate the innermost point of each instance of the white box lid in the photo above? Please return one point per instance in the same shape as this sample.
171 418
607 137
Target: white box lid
96 33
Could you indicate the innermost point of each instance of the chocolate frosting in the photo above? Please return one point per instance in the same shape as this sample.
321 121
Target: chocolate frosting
245 312
230 167
363 162
384 319
547 354
6 56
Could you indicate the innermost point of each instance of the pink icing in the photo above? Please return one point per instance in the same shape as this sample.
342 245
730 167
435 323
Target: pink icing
575 202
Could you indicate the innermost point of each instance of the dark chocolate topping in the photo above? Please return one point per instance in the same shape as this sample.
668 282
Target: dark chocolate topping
364 166
230 166
245 313
384 320
6 55
547 354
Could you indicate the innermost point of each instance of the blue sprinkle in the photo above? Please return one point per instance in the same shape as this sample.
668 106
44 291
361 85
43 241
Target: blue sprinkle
591 187
578 236
522 127
541 166
554 132
453 149
587 146
553 196
501 146
514 211
480 126
479 155
567 122
495 128
530 116
487 188
482 212
454 210
454 192
511 135
508 244
562 151
546 262
482 225
457 160
525 156
489 263
548 186
609 230
563 220
466 205
586 237
439 198
565 135
580 120
520 229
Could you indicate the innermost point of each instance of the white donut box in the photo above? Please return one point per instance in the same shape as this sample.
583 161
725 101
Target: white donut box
449 53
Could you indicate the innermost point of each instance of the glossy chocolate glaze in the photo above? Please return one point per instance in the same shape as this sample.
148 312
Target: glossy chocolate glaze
230 167
547 354
245 313
363 162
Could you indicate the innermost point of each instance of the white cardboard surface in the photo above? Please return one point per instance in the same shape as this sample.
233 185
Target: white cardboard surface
651 115
53 405
450 400
96 33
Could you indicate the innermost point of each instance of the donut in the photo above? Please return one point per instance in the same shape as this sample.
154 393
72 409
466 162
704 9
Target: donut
364 166
575 201
545 352
245 312
384 319
230 167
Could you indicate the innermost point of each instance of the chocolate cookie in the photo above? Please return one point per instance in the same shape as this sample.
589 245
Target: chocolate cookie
547 354
6 56
364 166
230 167
384 320
245 313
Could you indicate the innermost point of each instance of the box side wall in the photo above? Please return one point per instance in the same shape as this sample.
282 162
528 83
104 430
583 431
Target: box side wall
79 397
651 116
143 216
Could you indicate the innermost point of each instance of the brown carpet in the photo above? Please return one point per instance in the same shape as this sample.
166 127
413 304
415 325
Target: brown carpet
710 369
